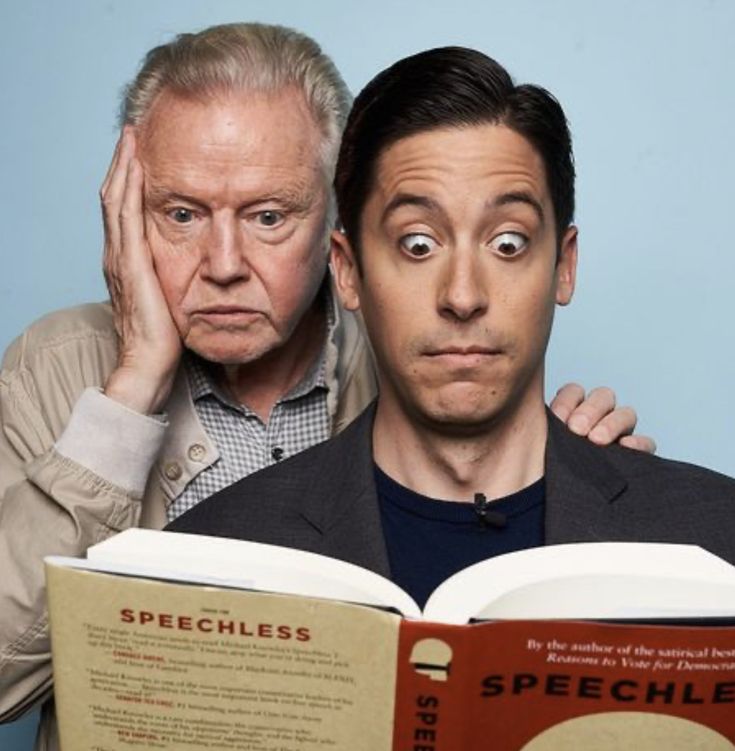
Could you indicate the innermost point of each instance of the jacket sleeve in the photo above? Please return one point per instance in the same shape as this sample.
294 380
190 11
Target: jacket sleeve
49 504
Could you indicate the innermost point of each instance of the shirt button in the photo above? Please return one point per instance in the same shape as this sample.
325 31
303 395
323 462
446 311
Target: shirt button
197 452
277 453
173 471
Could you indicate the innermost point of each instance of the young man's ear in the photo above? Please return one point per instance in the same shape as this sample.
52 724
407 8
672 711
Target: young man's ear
566 267
346 271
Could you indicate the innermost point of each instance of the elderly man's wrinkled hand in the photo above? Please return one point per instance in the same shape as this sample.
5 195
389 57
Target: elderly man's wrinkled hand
149 344
596 417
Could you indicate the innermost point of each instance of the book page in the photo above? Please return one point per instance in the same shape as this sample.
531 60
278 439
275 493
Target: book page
154 665
588 580
246 565
613 597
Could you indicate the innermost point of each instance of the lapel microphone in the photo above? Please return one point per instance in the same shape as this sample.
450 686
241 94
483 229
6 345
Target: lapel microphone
485 515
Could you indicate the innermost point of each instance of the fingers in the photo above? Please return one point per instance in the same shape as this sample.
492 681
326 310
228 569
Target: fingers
595 415
127 261
113 190
597 418
639 443
149 345
591 413
567 398
132 233
112 166
614 426
114 182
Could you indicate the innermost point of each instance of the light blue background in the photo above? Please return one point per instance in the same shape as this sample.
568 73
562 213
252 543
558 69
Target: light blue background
649 88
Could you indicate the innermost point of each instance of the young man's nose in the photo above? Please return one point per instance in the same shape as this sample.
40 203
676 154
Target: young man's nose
463 290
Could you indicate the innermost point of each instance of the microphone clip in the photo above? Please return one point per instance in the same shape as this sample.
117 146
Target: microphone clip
485 515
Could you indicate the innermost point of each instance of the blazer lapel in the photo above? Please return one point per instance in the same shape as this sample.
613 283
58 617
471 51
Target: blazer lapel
341 501
580 486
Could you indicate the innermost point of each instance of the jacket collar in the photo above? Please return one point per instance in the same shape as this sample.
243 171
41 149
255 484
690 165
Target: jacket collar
185 431
342 501
580 485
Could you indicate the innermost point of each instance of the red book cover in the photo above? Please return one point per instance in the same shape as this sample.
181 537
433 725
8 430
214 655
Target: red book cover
543 685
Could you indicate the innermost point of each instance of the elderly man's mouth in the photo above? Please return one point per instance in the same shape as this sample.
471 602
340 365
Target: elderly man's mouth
226 314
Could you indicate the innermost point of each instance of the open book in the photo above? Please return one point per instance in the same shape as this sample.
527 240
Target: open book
163 640
606 580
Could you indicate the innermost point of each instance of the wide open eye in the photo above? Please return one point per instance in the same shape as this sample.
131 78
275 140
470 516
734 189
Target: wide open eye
418 245
269 218
509 244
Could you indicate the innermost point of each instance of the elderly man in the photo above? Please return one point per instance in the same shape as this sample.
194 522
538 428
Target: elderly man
456 193
222 351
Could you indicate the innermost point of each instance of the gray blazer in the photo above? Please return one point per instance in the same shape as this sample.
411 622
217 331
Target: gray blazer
324 499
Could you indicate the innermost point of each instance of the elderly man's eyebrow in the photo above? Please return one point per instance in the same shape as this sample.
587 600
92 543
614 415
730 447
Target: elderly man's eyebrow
408 199
519 196
163 195
296 200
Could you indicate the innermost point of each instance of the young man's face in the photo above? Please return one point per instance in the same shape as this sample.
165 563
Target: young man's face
459 274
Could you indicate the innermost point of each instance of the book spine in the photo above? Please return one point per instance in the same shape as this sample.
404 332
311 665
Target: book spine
431 687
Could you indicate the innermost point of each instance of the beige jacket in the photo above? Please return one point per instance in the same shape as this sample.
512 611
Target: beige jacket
51 505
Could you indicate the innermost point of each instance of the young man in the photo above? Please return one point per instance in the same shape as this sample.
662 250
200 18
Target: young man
456 193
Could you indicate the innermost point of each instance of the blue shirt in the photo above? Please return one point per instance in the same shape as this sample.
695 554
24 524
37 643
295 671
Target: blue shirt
428 540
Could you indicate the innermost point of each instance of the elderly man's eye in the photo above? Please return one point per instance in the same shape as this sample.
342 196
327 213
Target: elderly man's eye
509 244
270 218
418 245
181 215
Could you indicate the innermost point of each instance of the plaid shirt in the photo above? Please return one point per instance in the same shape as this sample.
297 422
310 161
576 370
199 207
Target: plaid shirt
246 444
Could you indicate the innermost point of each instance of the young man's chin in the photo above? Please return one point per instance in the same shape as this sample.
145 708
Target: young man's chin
462 407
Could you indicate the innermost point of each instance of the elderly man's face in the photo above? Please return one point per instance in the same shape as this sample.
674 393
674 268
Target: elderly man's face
459 274
235 202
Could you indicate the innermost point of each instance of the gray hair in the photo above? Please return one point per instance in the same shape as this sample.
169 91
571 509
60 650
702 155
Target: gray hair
245 57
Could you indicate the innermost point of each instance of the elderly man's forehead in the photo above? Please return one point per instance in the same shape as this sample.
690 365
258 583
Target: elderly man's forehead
230 112
231 134
232 150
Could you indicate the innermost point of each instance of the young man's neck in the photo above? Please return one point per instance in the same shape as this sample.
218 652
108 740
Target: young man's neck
437 463
261 383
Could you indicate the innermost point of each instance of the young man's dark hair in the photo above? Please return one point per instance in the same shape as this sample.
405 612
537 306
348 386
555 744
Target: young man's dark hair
449 87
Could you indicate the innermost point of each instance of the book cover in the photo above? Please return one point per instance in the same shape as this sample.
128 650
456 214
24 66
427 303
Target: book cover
149 663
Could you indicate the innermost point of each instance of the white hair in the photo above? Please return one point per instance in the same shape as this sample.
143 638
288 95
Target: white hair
241 57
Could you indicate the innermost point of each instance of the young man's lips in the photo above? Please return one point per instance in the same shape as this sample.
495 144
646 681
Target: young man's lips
462 357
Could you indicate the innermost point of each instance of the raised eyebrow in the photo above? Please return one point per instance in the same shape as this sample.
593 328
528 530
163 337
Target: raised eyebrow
519 196
408 199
